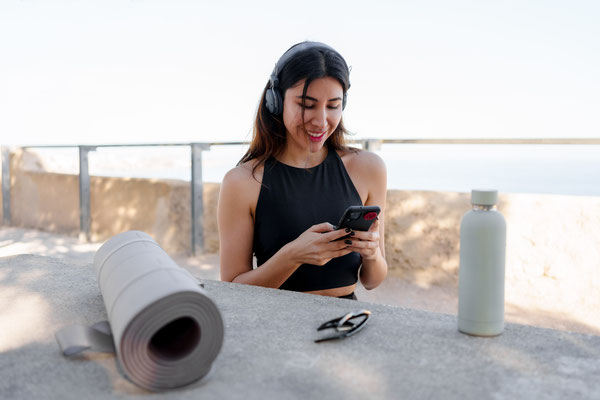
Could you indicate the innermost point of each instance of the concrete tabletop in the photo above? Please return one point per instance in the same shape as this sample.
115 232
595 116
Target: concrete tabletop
269 349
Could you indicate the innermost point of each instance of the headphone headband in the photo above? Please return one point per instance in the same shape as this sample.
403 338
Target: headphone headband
300 47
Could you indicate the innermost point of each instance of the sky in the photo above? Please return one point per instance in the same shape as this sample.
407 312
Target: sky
149 71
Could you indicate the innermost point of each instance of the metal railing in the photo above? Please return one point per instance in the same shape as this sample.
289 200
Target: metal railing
196 187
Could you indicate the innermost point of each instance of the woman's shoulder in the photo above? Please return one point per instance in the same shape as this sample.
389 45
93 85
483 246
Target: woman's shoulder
362 160
244 173
241 186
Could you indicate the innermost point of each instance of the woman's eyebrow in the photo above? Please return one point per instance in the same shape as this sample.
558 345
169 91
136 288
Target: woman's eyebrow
315 100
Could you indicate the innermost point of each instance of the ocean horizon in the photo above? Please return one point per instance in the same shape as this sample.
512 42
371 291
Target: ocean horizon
548 169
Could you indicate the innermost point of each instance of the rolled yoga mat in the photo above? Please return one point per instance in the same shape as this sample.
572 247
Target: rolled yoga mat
166 331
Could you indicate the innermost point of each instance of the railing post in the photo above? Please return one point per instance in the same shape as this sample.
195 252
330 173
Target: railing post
371 144
197 197
85 215
5 185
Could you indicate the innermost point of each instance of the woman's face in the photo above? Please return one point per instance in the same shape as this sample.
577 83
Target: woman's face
322 114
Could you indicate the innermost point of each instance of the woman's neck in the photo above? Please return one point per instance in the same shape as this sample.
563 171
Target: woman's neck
301 158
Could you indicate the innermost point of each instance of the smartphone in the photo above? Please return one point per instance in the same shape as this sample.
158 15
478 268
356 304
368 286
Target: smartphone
359 218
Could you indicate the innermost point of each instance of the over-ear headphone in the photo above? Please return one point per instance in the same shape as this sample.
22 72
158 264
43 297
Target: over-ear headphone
273 97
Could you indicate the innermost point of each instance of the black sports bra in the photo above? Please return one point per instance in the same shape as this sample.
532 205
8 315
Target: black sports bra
291 200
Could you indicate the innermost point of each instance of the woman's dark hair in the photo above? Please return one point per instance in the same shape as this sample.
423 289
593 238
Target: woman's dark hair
269 134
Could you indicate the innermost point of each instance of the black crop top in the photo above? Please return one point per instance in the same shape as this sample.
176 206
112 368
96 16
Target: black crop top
291 200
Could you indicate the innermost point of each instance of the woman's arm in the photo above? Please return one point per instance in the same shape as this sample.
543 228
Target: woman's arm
235 222
237 200
371 173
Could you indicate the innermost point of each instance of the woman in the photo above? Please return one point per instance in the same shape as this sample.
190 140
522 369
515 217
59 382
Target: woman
294 183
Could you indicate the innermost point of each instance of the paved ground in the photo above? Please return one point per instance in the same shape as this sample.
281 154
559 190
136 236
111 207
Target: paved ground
393 291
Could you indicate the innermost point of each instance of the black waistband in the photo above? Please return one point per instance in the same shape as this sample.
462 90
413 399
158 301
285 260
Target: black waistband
350 296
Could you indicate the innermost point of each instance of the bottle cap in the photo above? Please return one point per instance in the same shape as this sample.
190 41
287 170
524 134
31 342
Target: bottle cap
484 197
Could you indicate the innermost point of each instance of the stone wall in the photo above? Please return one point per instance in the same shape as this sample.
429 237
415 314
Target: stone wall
50 202
547 235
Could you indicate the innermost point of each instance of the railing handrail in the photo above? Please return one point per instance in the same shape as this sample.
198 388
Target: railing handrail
378 140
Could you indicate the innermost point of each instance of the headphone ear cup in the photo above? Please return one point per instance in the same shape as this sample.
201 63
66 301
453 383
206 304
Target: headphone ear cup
269 100
344 100
273 101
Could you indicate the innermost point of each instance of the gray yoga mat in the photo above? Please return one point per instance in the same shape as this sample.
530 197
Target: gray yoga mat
165 330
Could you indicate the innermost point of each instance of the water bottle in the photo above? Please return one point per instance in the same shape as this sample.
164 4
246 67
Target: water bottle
481 271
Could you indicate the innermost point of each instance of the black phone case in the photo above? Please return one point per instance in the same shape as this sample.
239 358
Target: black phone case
359 218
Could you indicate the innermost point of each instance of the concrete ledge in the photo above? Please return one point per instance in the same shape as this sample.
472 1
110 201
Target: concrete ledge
269 350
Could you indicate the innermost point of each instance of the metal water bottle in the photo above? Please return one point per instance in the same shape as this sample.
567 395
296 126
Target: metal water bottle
481 272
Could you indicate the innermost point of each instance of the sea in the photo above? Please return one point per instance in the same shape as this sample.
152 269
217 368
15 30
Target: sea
512 168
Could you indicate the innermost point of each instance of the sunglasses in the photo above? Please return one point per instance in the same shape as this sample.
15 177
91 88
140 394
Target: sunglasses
346 325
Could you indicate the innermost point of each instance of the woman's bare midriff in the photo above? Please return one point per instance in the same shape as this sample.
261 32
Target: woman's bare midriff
335 292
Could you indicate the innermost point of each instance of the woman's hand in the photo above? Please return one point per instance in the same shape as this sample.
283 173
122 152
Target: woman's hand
365 243
317 245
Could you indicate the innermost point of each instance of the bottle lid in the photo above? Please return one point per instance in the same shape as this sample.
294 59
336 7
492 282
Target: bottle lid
484 197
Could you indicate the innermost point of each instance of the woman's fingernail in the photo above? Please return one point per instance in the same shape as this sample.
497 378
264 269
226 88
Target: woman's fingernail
348 230
353 233
348 241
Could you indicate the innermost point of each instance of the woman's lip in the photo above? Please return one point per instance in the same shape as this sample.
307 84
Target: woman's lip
317 137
